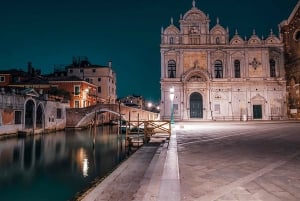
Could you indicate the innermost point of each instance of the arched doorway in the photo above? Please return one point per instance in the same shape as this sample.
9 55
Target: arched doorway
39 117
196 105
29 114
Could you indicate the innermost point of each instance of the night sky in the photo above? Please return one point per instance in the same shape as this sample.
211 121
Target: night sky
51 32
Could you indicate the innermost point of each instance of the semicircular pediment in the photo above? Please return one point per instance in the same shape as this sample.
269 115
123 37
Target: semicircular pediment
194 15
236 40
272 39
171 30
196 78
195 75
218 29
254 40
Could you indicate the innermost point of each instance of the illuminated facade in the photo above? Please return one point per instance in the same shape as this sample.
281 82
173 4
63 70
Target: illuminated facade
82 93
218 77
102 76
290 30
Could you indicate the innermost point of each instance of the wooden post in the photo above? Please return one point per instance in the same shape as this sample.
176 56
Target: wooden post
138 118
129 120
126 135
120 119
146 131
95 122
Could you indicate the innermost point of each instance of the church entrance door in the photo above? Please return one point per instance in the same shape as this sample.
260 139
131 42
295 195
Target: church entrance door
257 111
196 105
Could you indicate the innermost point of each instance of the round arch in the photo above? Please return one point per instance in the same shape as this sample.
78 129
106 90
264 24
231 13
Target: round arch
29 113
195 72
40 116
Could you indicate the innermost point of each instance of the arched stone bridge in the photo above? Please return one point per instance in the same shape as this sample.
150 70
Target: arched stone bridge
104 113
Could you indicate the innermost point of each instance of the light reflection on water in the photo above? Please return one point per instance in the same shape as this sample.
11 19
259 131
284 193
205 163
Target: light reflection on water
82 161
58 165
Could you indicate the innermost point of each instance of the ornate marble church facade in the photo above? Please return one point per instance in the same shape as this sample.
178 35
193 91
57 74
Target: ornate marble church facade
216 76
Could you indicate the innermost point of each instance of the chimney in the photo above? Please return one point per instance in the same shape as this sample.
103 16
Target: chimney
109 63
29 67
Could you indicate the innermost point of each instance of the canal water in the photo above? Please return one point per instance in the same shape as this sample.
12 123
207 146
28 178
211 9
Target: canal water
57 166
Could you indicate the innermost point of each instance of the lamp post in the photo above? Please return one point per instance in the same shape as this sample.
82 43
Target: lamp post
172 108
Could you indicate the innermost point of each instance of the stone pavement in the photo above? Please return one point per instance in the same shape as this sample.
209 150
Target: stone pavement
125 181
212 161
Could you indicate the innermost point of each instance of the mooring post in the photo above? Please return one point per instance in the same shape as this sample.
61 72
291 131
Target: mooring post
138 129
120 118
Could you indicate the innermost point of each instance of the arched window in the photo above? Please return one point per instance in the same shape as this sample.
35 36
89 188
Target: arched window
272 68
237 69
217 40
39 117
171 40
218 69
171 69
297 35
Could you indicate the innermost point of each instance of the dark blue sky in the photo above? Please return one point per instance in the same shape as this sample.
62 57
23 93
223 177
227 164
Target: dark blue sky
49 33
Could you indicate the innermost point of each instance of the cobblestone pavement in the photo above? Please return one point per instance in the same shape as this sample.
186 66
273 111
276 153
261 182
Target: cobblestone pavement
249 161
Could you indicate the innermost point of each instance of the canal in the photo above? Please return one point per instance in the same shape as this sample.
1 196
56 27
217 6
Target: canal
57 166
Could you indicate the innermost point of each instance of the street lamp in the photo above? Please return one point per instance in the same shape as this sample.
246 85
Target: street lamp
172 107
149 106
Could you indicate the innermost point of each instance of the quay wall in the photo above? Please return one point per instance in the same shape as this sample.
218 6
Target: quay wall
30 114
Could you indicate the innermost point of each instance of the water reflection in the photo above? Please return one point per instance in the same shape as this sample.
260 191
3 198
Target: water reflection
82 161
56 166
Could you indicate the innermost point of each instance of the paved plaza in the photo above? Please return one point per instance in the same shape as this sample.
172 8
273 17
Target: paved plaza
239 161
213 161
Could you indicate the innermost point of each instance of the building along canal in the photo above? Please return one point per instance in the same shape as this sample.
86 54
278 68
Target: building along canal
57 166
